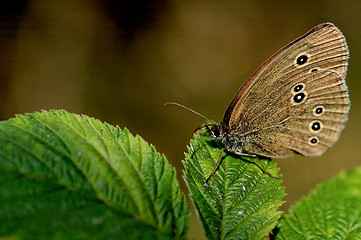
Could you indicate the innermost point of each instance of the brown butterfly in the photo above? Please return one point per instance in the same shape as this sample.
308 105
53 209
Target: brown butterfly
296 102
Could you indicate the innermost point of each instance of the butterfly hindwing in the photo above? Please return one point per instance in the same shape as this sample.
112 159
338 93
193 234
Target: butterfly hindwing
297 101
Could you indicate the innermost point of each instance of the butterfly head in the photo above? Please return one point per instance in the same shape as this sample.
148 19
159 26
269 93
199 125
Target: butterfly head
214 131
231 140
217 131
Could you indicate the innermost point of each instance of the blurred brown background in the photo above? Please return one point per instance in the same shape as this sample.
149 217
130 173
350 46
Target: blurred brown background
120 61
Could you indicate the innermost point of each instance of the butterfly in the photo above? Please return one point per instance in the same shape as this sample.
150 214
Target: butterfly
295 103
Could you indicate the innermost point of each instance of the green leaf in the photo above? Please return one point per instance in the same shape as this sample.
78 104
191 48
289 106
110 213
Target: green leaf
240 200
331 211
66 176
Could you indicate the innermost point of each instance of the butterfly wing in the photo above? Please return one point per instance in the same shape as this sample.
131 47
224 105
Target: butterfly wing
297 100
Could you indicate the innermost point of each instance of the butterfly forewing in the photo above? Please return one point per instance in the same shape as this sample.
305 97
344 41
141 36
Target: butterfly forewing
297 101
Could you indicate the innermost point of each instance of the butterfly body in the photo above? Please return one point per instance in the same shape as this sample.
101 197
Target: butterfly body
232 140
296 102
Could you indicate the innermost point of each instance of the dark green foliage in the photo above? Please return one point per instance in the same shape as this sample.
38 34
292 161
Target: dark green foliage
331 211
65 176
240 200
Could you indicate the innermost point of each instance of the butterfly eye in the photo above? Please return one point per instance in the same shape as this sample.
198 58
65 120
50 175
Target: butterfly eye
313 140
313 70
216 132
318 111
315 126
302 59
298 88
299 93
299 97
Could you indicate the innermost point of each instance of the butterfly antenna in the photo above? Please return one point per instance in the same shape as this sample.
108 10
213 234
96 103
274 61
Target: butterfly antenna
189 109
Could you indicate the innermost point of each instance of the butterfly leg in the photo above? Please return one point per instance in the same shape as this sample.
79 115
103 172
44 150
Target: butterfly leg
261 164
217 165
243 154
197 129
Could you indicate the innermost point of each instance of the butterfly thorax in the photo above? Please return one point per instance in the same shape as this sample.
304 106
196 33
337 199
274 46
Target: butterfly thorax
232 141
